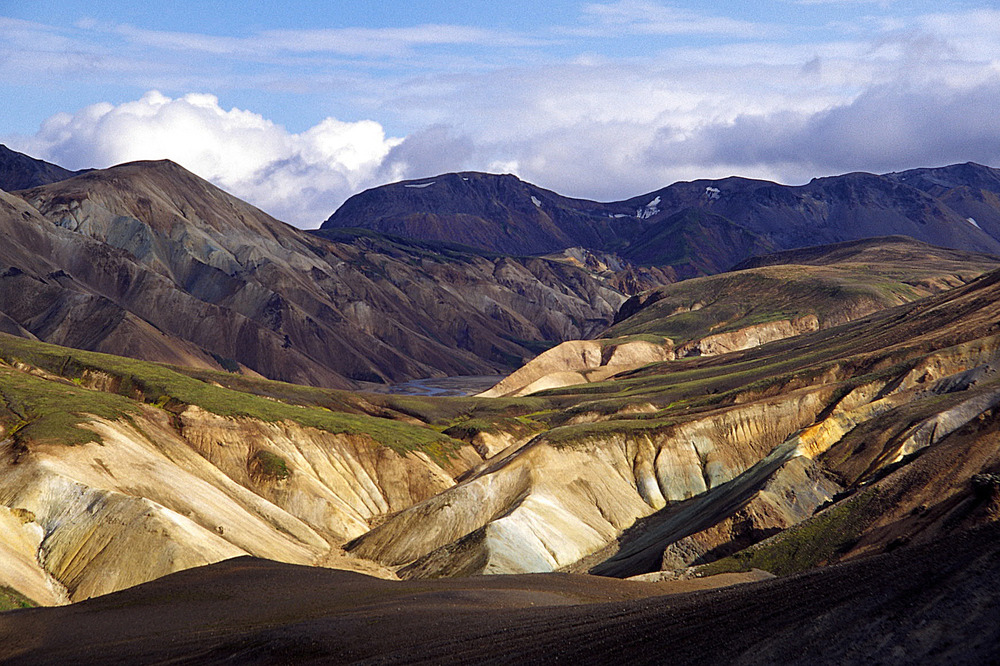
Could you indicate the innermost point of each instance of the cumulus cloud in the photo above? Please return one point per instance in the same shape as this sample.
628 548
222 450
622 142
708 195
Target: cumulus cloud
299 178
428 152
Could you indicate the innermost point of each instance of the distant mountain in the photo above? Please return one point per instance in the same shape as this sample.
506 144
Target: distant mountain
18 171
970 189
148 260
694 228
500 213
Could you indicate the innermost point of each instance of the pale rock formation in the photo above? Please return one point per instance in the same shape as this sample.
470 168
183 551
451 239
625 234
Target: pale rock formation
547 504
578 362
750 336
145 500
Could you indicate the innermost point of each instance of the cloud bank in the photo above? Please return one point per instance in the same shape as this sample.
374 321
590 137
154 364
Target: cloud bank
759 100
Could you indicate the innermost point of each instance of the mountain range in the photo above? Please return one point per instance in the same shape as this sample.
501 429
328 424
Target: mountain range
737 422
150 261
695 228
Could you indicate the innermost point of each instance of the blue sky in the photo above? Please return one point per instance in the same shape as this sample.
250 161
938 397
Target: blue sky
296 105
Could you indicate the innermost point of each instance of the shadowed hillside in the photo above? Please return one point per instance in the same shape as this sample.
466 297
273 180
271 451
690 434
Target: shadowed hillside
916 604
693 228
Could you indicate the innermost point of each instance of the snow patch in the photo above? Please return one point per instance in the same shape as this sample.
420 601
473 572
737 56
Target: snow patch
535 201
973 223
418 185
649 210
712 192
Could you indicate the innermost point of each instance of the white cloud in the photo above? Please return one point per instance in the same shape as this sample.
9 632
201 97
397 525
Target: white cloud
651 18
882 95
299 178
887 128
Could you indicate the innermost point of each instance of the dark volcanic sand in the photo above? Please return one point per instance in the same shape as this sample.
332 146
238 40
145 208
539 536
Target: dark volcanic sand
938 603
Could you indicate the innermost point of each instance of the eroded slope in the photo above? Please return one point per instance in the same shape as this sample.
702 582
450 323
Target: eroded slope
115 472
726 449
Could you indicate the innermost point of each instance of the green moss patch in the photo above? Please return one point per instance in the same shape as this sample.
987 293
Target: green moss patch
11 599
267 465
817 541
37 408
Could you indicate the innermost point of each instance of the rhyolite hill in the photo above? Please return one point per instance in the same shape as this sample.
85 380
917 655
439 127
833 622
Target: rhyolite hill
148 260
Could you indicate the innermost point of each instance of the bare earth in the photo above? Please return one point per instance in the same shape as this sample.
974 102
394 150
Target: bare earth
934 603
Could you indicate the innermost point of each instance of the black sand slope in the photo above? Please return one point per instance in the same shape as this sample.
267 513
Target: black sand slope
937 603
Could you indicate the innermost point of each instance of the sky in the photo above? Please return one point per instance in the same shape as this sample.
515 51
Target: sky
295 105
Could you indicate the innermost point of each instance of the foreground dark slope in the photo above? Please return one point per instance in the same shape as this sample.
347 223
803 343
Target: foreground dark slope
935 602
173 269
693 228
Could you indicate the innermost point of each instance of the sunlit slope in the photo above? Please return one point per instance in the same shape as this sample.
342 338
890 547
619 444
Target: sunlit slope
701 439
117 471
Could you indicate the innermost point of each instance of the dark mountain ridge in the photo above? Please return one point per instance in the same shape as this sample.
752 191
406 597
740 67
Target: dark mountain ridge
19 171
698 227
495 212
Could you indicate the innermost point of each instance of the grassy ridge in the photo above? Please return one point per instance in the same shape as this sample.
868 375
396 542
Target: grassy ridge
692 309
50 409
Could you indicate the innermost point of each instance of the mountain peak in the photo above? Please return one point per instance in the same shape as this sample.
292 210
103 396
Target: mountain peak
161 194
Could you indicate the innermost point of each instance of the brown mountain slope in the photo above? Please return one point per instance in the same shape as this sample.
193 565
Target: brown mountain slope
75 290
225 278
